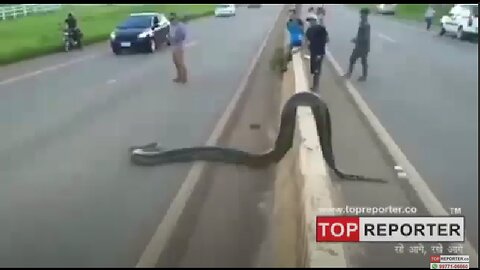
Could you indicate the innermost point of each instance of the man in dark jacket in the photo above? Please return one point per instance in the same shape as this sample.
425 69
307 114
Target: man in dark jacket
362 45
71 23
317 37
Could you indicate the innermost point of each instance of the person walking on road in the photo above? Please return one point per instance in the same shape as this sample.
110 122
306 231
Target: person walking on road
429 14
178 36
317 37
362 46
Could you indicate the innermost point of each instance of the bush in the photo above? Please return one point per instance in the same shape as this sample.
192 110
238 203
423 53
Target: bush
279 62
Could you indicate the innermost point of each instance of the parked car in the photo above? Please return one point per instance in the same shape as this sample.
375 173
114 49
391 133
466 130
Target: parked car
225 10
462 20
254 5
141 32
386 8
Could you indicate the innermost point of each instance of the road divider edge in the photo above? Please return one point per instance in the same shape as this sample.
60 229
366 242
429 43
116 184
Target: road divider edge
316 188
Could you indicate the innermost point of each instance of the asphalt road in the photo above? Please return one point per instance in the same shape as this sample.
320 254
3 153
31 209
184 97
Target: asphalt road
68 194
424 90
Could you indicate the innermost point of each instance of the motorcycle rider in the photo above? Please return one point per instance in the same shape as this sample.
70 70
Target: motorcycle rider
72 28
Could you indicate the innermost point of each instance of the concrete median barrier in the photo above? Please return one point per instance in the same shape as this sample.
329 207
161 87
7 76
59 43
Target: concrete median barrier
302 186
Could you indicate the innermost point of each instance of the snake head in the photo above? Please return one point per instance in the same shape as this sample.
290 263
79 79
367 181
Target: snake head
151 147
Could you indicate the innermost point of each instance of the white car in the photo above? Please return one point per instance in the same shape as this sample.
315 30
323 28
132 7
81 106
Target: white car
462 20
225 10
386 8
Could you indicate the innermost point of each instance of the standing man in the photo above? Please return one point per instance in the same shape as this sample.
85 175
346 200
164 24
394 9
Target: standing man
178 36
429 14
362 45
317 37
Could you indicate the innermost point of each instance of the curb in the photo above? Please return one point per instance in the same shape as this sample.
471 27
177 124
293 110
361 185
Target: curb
316 187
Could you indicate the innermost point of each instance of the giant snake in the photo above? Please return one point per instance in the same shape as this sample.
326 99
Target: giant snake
151 154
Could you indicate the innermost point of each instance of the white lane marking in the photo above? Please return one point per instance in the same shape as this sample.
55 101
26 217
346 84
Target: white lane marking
46 69
428 198
165 229
111 81
387 38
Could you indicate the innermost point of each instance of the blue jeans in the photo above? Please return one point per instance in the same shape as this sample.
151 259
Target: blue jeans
429 22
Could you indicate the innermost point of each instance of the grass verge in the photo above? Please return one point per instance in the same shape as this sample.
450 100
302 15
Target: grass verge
414 12
38 35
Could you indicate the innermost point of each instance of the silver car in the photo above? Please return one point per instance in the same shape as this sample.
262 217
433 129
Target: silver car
386 8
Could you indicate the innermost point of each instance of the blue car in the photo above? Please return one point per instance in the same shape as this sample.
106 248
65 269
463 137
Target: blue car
144 32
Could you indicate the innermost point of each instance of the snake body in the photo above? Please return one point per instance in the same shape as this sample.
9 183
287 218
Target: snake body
151 154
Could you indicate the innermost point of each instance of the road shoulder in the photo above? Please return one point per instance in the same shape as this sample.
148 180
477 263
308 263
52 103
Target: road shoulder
358 151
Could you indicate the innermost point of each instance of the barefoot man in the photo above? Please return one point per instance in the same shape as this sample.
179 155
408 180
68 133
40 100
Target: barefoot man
177 40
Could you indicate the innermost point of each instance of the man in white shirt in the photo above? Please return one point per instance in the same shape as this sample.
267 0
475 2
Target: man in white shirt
429 14
178 34
311 16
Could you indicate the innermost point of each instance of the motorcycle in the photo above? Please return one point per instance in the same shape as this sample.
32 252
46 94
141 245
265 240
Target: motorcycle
69 42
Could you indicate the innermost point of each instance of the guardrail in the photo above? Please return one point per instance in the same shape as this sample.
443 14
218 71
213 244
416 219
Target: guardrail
15 11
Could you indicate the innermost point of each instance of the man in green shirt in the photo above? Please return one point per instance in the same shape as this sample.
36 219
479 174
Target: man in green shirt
362 45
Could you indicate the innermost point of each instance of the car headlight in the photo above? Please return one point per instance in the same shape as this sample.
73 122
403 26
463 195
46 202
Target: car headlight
112 35
144 34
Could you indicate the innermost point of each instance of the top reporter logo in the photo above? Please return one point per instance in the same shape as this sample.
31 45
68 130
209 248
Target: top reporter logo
390 229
